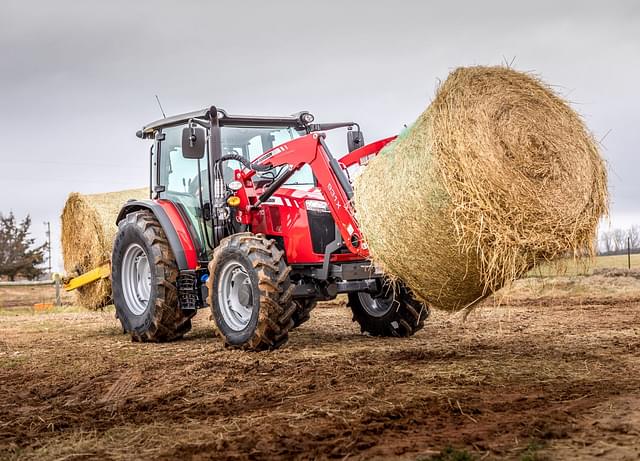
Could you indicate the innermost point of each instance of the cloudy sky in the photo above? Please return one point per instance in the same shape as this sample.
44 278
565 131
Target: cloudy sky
78 78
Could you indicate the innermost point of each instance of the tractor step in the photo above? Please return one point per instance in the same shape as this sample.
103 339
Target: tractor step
191 292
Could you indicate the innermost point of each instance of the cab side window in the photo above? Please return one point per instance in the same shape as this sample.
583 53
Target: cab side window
177 174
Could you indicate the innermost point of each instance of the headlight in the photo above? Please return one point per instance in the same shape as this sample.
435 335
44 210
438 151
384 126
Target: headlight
235 186
306 118
316 205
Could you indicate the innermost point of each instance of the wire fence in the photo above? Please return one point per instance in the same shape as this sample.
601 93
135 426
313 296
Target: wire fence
27 293
26 283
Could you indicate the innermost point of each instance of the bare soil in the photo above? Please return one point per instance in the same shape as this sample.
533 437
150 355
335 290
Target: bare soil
547 374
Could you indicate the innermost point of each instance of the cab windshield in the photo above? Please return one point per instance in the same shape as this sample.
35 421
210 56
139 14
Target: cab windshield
252 142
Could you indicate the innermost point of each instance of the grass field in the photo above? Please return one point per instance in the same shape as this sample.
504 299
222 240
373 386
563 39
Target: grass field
549 373
570 267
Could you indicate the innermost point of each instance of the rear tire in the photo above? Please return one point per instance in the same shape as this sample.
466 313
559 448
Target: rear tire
250 292
144 272
392 312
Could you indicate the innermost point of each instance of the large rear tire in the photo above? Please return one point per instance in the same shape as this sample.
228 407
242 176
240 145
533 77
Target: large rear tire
144 272
250 292
392 312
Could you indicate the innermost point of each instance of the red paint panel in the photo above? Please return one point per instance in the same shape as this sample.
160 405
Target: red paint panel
294 228
182 231
365 151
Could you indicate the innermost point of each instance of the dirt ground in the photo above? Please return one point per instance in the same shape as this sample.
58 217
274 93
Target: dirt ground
550 373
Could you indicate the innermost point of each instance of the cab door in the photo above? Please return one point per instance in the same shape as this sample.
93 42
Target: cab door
184 182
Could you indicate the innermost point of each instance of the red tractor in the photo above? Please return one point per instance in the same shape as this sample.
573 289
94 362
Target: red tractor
252 217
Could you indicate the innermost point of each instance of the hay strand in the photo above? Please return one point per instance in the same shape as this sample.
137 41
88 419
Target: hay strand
88 230
496 176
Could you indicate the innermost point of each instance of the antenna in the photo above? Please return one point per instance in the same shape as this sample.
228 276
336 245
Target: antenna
161 110
48 234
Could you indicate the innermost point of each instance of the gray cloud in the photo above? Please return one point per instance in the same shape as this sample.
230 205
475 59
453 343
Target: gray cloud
78 78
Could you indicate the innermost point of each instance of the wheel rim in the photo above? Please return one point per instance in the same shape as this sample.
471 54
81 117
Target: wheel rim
376 306
136 279
235 296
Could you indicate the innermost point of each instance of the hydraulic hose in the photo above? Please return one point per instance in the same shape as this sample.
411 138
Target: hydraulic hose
245 162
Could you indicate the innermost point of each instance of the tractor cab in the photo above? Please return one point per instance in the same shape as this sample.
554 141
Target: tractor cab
186 177
187 181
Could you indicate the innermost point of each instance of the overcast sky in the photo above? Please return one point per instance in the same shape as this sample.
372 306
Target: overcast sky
78 78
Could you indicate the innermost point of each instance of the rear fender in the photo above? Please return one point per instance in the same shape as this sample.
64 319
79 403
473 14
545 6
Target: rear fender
174 227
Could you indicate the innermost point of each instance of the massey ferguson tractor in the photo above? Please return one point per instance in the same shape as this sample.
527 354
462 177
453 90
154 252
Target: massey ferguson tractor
252 217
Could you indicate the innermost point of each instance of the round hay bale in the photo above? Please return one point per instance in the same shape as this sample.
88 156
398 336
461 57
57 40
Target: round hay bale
88 230
497 175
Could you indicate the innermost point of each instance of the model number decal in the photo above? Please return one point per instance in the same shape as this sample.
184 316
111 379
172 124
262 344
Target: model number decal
334 196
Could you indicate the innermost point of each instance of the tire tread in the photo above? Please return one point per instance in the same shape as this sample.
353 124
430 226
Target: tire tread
274 318
168 322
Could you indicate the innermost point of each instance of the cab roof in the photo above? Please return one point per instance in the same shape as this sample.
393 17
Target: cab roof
294 120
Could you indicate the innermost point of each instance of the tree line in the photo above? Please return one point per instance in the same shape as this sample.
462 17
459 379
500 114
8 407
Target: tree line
618 241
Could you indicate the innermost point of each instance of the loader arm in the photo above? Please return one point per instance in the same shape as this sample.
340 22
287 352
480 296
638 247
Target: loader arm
335 187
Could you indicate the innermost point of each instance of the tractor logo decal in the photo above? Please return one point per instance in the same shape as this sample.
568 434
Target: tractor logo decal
271 153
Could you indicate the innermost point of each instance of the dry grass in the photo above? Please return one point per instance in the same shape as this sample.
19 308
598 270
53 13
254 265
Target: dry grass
576 289
585 267
510 377
497 175
88 230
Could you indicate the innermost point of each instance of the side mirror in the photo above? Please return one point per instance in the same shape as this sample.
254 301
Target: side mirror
193 142
355 140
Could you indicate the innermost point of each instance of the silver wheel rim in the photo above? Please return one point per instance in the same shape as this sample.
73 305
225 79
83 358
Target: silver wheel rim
136 279
235 296
376 306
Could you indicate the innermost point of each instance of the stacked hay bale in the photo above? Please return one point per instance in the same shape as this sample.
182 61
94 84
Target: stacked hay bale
497 175
88 230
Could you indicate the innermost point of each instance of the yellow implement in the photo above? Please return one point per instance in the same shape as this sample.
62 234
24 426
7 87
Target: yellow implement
98 273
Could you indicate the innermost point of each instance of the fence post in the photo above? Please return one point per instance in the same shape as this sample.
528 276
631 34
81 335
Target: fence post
56 280
629 252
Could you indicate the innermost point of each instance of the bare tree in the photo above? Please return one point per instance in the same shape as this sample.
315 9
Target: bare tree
634 237
619 240
606 242
616 241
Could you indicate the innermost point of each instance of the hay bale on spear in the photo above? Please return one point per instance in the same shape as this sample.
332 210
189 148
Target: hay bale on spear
88 230
496 176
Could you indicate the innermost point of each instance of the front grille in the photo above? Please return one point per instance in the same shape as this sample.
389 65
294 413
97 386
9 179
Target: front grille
323 231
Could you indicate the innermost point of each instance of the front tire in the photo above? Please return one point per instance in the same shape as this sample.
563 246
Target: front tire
250 292
144 273
392 312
